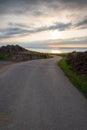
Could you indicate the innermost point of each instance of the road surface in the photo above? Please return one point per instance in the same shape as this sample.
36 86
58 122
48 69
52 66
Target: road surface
36 95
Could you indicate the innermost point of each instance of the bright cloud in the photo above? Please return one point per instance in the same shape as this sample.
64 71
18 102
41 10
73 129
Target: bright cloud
41 20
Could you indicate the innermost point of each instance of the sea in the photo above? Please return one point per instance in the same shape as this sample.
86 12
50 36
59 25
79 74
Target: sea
58 50
46 49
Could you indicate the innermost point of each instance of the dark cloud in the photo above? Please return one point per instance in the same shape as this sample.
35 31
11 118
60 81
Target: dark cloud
56 26
21 6
18 25
10 32
82 24
38 1
75 1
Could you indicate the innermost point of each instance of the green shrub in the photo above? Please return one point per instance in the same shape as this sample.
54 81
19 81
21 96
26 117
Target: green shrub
3 56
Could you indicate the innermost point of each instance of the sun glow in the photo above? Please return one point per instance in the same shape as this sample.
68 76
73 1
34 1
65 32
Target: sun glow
56 51
55 34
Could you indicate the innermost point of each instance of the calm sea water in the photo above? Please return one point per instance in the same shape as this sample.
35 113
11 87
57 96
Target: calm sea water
45 48
60 50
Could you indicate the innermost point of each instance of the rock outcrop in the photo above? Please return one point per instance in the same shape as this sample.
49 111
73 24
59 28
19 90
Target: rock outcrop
11 49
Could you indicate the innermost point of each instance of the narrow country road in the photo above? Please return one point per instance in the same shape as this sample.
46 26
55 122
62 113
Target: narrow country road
36 95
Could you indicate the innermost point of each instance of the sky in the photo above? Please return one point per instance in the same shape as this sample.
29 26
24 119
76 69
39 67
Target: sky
42 23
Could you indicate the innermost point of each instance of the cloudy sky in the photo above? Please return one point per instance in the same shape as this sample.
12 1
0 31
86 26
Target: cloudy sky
57 23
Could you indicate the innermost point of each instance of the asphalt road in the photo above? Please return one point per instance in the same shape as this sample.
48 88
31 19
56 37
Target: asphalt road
36 95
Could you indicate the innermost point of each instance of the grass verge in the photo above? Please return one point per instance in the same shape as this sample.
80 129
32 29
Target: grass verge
3 56
79 81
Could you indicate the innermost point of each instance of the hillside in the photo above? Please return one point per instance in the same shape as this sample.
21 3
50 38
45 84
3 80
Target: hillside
18 53
11 49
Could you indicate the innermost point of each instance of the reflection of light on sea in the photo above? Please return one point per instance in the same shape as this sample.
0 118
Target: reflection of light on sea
46 50
56 51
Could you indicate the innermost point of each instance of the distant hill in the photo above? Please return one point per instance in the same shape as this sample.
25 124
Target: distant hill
18 53
11 49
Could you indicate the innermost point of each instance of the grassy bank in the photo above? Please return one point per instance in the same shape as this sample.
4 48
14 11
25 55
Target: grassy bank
18 53
3 56
79 81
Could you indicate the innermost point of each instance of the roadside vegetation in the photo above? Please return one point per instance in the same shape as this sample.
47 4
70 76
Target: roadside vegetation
18 53
3 56
75 71
44 55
